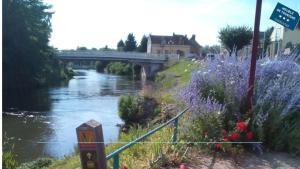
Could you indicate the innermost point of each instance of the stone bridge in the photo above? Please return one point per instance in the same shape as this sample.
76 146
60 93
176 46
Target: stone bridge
150 63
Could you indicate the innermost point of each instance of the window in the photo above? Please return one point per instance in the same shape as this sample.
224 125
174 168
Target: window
158 51
166 52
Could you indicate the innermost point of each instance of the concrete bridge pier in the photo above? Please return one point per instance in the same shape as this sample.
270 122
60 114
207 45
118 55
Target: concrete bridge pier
148 71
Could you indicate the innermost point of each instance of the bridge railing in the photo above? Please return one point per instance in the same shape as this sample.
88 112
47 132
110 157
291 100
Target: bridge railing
116 154
115 54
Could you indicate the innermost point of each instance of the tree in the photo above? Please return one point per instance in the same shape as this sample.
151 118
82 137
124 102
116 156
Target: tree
82 48
267 40
130 43
143 45
120 45
235 38
28 60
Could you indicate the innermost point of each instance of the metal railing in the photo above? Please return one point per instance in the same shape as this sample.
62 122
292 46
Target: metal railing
115 154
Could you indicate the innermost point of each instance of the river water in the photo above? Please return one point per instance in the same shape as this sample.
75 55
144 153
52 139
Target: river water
43 122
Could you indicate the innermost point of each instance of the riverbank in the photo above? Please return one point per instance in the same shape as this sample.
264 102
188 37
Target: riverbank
165 91
161 154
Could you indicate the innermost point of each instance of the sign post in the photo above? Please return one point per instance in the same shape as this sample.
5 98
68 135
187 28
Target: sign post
285 16
91 145
253 56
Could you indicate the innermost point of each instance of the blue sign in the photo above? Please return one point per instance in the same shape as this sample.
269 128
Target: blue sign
285 16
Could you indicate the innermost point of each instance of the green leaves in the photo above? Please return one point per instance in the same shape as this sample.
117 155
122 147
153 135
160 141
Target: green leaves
28 60
235 38
130 43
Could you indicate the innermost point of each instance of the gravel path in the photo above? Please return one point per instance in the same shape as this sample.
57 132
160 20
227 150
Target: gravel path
271 160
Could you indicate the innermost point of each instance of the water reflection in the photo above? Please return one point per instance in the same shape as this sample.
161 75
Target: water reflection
19 100
50 130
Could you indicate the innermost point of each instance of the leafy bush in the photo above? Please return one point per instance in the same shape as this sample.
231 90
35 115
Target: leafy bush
8 160
37 164
135 109
119 68
220 85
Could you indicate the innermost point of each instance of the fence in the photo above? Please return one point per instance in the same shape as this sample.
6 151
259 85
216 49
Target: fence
116 154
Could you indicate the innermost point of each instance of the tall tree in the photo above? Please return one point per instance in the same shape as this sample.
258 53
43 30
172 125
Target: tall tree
143 45
120 45
28 61
267 40
235 38
130 43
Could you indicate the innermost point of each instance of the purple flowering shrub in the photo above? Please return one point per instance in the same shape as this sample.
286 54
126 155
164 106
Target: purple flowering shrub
220 87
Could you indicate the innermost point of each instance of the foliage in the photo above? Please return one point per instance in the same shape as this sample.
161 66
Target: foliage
130 43
99 66
8 160
220 85
28 61
235 38
81 48
143 44
120 45
37 164
136 109
139 155
205 128
210 49
267 40
119 68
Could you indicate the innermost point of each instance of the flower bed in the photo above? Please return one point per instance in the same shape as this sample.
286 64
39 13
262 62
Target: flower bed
218 91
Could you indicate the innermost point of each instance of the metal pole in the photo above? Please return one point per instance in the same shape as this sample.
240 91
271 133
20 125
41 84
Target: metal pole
116 162
253 57
174 137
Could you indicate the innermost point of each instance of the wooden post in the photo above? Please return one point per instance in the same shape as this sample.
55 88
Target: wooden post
91 145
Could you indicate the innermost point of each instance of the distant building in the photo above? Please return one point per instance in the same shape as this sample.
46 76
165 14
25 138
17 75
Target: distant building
175 44
281 37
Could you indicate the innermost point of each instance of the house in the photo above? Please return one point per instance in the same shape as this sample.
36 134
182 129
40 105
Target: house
281 37
174 45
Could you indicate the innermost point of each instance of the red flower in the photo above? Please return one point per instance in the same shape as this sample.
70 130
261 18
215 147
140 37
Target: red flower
241 126
218 146
226 138
234 136
249 135
124 167
182 166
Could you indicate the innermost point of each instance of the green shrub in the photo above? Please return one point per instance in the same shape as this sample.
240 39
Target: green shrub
119 68
207 127
37 164
136 109
8 160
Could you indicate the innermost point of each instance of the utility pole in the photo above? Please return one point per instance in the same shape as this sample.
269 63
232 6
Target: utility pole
253 56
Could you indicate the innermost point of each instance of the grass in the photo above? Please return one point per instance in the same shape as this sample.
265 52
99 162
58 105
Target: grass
143 155
140 154
172 79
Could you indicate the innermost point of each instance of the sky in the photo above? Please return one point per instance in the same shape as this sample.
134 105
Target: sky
97 23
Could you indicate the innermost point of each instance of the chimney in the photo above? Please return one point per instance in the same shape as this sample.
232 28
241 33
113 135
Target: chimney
193 37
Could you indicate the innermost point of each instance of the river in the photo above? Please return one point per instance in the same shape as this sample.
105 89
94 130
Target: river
43 122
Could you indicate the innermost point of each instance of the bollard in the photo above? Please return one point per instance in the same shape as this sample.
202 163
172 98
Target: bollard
91 145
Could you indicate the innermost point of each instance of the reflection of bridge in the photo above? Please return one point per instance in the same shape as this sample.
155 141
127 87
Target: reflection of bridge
150 63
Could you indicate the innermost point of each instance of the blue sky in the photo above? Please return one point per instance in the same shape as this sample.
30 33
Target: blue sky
96 23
